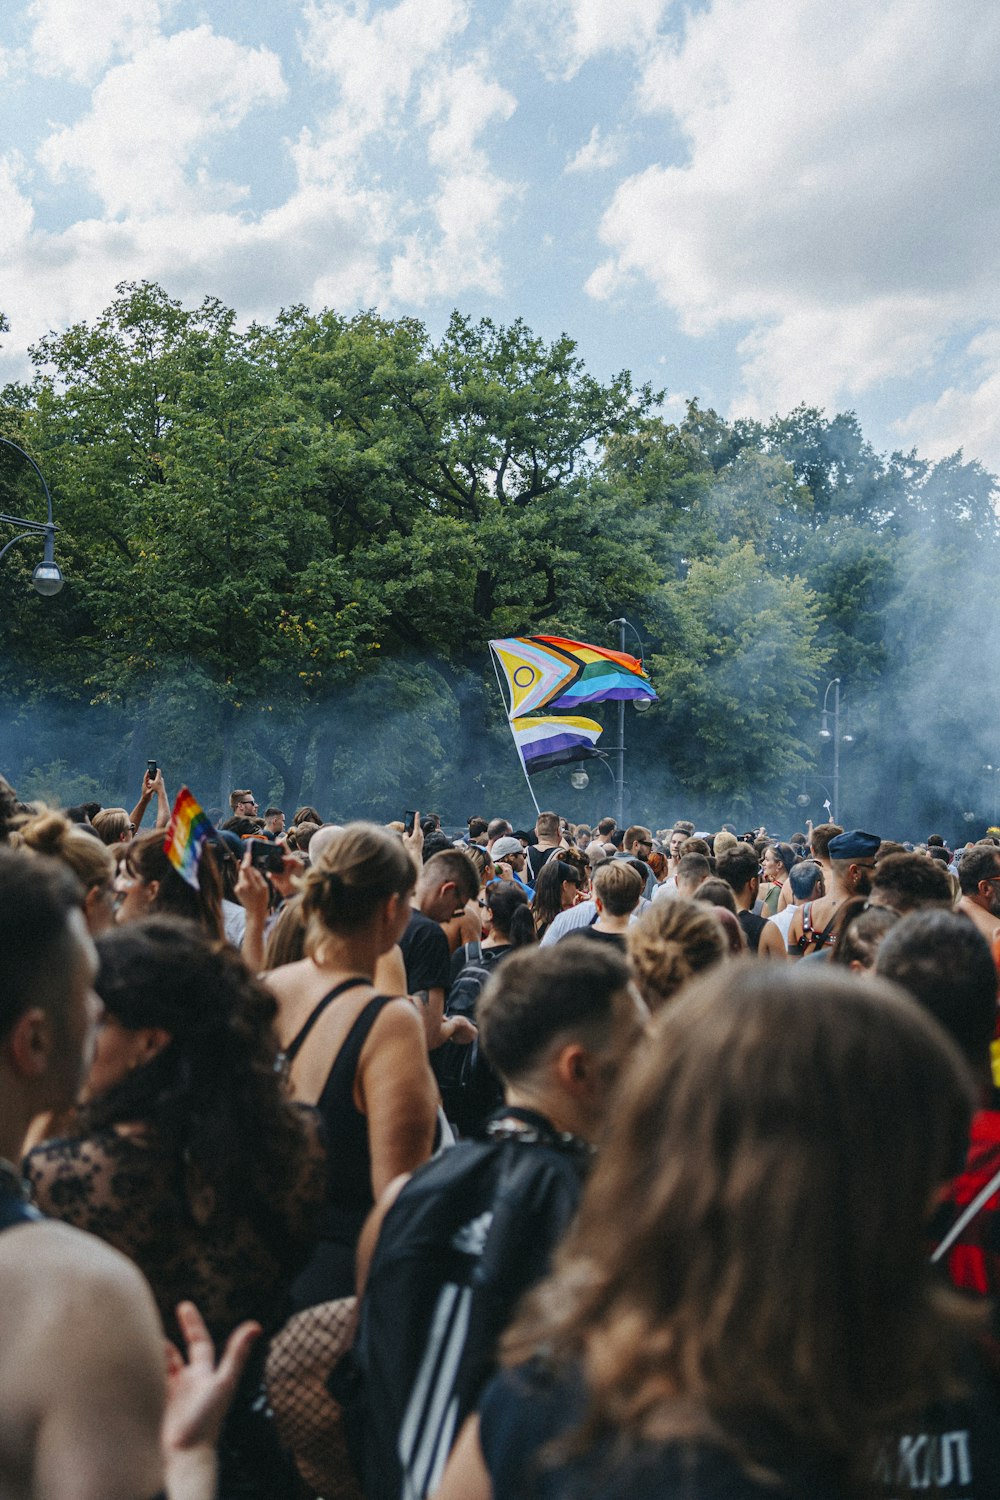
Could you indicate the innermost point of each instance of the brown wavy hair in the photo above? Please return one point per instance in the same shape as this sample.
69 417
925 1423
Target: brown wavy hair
775 1180
673 940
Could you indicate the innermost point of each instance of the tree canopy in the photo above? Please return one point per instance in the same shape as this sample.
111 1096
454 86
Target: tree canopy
287 546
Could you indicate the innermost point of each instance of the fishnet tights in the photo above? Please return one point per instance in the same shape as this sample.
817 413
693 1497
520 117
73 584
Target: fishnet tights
308 1419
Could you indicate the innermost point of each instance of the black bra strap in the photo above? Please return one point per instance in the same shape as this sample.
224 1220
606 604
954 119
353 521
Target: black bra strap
295 1045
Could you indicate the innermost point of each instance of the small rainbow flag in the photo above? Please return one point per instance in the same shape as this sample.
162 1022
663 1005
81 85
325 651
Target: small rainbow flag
187 834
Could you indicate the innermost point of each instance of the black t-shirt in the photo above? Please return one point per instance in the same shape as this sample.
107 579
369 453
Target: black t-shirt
613 939
753 926
521 1411
426 955
537 858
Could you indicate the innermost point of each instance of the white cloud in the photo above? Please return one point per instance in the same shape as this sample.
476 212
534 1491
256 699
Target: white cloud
374 60
77 38
824 205
962 416
565 34
597 153
148 116
18 213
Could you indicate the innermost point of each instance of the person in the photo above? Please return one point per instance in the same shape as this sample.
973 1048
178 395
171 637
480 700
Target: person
775 868
805 880
187 1156
857 933
113 826
556 889
150 886
979 880
558 1027
848 872
818 849
360 1057
448 881
243 804
90 860
274 823
508 851
737 1342
714 891
670 943
617 892
637 845
944 962
910 882
81 1346
739 868
548 839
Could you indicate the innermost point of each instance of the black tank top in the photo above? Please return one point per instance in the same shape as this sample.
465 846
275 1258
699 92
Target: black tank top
349 1181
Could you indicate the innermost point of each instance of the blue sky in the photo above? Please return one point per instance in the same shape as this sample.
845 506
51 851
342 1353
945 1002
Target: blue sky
757 204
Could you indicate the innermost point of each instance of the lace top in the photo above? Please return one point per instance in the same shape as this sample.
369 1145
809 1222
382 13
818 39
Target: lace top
129 1190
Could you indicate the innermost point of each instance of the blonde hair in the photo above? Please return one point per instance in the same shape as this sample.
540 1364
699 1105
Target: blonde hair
91 861
110 823
673 940
361 865
619 886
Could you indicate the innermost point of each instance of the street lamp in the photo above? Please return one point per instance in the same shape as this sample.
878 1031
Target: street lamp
641 705
834 734
47 577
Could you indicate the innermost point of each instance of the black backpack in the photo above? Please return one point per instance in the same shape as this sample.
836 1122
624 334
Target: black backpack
470 1090
471 1231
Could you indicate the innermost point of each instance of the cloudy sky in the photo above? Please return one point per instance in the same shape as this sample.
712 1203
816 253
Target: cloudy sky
751 202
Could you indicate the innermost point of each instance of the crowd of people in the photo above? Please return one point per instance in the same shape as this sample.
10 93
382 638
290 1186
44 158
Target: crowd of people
560 1162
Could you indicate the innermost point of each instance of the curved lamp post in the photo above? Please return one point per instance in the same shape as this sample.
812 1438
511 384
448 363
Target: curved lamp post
826 733
47 577
641 705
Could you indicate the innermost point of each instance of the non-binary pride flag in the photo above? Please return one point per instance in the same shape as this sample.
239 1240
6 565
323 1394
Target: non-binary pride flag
187 834
548 672
542 742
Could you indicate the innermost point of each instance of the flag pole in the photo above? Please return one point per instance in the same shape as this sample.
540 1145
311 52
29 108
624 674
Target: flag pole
531 790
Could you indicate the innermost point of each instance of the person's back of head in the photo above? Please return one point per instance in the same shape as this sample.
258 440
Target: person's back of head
821 836
510 911
857 933
477 827
89 859
691 845
618 886
907 882
943 960
38 897
714 891
691 871
764 1138
723 841
670 943
547 826
539 996
360 867
683 826
498 828
737 867
804 879
606 828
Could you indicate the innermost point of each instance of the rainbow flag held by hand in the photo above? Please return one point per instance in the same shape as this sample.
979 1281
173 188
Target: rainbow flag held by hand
546 672
187 834
542 743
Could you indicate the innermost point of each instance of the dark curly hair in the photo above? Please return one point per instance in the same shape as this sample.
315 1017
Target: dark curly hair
213 1094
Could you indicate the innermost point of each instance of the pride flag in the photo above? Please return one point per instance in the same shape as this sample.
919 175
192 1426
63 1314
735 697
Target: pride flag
543 742
548 672
187 834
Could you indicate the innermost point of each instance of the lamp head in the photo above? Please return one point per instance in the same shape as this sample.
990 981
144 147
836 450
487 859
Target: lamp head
47 578
579 780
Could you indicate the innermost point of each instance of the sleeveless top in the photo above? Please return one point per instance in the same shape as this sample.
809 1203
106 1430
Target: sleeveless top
349 1196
